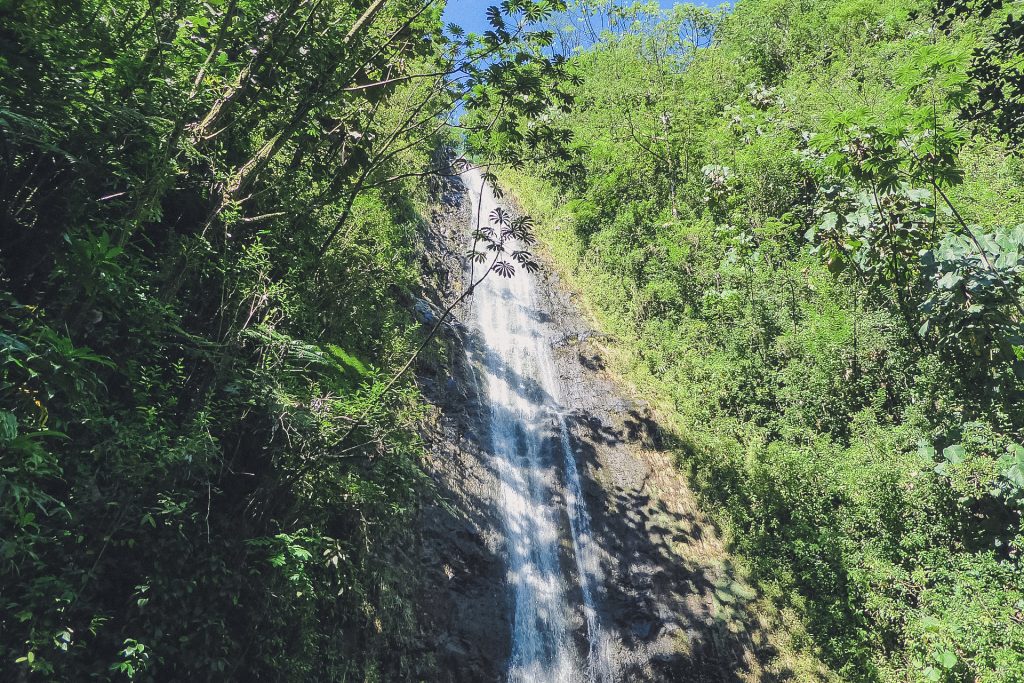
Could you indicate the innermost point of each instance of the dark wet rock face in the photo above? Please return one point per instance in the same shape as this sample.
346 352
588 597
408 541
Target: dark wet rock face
669 597
463 601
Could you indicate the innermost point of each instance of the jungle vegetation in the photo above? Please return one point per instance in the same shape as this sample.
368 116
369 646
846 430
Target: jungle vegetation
802 223
211 221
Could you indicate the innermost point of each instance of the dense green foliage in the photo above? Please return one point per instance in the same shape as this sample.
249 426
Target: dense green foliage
802 220
209 249
811 252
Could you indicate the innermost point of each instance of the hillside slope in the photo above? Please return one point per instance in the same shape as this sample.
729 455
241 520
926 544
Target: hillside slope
757 212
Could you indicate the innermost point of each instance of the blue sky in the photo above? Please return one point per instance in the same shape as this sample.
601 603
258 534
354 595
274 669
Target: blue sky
469 14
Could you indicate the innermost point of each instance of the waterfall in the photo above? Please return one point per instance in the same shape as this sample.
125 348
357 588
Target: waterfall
533 454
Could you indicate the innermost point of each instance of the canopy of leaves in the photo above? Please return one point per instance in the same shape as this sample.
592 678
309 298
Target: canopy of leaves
809 254
210 219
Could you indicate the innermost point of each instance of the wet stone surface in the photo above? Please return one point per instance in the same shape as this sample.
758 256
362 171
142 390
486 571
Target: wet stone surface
668 600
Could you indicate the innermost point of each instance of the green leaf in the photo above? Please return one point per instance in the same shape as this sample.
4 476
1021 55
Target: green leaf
347 358
950 280
954 454
1013 463
9 343
829 221
8 427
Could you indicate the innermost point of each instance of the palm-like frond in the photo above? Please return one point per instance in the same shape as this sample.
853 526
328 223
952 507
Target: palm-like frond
504 269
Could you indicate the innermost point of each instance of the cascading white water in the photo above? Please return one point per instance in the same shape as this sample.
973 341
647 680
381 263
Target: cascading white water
523 396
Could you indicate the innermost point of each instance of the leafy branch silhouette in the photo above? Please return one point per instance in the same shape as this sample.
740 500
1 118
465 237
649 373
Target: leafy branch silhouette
504 242
495 238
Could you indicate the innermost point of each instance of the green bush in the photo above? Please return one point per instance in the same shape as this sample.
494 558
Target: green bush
762 230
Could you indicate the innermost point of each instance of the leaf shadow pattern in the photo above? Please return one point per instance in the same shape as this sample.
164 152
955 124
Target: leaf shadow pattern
672 600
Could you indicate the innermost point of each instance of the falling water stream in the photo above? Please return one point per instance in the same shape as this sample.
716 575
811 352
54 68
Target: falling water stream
537 465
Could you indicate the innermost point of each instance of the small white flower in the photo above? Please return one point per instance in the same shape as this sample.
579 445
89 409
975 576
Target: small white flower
303 50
